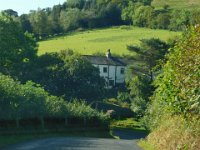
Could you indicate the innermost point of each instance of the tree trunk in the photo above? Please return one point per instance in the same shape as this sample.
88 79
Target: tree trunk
42 122
66 121
17 123
151 76
84 121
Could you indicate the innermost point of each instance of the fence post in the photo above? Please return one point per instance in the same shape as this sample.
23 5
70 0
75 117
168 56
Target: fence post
66 121
17 123
42 122
84 121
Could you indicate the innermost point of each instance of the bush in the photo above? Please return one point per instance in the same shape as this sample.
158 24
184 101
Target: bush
30 101
173 115
176 133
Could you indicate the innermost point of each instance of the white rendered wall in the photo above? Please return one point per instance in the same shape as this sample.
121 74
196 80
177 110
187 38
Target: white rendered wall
120 77
113 73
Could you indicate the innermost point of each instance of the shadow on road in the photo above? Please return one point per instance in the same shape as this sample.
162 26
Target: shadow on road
70 143
129 134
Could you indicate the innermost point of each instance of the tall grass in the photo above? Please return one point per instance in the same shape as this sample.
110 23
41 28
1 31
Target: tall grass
176 133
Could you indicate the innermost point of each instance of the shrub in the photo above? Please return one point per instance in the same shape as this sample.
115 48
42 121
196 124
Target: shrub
173 115
30 101
176 133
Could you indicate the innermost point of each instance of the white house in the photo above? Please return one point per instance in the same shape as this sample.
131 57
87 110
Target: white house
111 68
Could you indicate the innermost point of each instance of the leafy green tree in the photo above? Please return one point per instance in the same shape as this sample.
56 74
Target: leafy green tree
76 3
68 75
178 85
143 16
54 19
40 23
17 49
140 90
25 23
129 11
148 55
70 19
111 14
163 21
179 19
10 13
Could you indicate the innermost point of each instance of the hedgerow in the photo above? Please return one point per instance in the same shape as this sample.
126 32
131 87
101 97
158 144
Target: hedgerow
29 101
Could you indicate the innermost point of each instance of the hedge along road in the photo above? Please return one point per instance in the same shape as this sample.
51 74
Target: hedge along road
77 143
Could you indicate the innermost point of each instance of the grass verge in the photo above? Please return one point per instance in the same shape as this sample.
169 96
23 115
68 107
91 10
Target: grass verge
128 123
145 145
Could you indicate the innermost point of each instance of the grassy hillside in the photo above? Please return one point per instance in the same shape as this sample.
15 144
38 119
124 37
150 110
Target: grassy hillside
177 4
94 41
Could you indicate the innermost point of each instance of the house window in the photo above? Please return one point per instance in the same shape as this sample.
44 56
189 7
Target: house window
105 69
122 71
111 82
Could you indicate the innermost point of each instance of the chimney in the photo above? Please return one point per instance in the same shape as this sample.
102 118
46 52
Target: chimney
108 54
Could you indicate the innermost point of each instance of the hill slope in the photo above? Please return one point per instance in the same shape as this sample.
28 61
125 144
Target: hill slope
95 41
177 4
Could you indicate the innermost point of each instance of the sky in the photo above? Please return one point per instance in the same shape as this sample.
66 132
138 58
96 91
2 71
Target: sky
24 6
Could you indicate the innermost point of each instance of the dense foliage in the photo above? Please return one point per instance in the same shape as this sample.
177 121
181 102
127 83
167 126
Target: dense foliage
147 55
140 91
178 86
143 71
17 48
68 75
64 74
177 96
83 14
28 101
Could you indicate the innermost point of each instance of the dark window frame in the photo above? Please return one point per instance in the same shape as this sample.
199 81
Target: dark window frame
105 69
122 70
111 83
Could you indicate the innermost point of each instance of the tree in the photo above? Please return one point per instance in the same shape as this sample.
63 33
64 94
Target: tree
68 75
54 19
179 19
70 19
76 4
25 23
40 23
129 11
148 54
163 21
143 16
19 51
178 84
111 14
140 90
145 2
10 13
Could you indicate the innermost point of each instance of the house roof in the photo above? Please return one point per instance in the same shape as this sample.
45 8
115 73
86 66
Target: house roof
103 60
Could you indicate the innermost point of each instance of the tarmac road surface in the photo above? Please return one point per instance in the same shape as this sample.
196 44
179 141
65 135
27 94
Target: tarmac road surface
74 143
127 141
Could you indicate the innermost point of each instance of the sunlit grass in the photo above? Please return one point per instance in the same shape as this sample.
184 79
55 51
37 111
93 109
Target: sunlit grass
129 123
177 4
145 145
99 40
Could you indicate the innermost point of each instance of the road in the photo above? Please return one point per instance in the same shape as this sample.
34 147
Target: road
126 142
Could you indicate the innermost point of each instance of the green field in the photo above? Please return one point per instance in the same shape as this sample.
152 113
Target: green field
177 4
98 41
